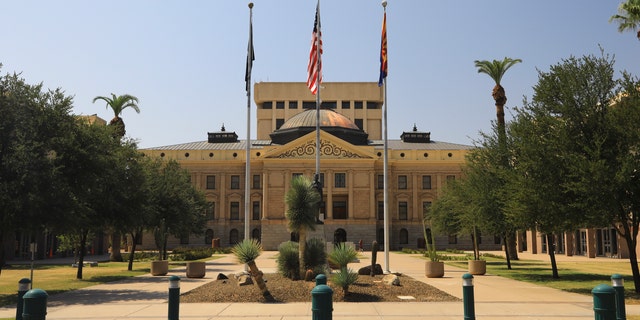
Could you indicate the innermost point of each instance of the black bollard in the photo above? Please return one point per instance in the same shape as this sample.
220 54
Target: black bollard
174 298
23 287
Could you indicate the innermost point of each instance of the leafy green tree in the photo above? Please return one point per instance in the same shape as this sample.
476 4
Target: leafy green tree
117 105
32 121
302 205
628 17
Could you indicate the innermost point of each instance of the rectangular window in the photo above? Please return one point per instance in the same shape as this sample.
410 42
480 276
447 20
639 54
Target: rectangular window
279 104
267 105
256 210
279 123
402 210
340 210
329 104
380 181
296 174
426 182
346 105
402 182
256 181
234 213
235 182
211 209
380 210
451 178
308 104
293 104
372 105
340 180
211 182
426 206
357 104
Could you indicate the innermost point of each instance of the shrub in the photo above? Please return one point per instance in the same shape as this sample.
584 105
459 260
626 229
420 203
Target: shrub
189 254
342 255
288 264
315 255
141 256
247 250
344 278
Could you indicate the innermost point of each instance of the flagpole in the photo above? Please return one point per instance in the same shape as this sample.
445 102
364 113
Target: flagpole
386 160
318 102
247 195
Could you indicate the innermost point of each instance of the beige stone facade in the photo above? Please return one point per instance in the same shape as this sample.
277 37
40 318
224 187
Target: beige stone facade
352 174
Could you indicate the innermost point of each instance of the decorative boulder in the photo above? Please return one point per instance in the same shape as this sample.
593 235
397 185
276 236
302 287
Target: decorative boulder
244 280
391 279
221 276
366 270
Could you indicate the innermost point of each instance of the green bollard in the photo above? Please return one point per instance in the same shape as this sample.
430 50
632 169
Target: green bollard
322 299
35 305
617 282
467 297
23 287
604 304
174 298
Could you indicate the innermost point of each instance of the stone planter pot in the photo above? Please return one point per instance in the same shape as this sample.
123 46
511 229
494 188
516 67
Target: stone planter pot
196 269
434 269
159 267
477 267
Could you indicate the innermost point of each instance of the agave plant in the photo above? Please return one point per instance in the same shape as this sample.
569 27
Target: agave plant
344 278
246 252
342 255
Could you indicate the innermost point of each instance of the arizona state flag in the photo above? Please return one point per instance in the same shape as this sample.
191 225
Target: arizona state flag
383 51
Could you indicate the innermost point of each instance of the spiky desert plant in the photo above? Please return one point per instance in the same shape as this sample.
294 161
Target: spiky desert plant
374 257
315 255
247 251
344 278
342 255
288 262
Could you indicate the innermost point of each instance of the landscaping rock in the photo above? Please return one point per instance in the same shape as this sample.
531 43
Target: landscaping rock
391 279
244 280
221 276
366 271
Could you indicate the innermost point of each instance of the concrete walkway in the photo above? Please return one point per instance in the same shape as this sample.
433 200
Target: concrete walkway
145 297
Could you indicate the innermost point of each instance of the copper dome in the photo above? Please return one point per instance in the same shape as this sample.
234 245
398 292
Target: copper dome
330 121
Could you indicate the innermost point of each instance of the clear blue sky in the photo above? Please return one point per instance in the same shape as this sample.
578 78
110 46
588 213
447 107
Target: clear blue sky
185 60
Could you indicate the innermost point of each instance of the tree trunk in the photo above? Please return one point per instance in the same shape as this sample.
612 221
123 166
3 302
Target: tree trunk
257 274
115 247
302 247
506 253
2 252
633 256
82 249
134 238
512 245
552 255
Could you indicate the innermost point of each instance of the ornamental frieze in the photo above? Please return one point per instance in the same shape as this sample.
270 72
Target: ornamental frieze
326 149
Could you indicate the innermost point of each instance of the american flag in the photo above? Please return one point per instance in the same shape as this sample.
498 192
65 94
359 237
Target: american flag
314 68
383 52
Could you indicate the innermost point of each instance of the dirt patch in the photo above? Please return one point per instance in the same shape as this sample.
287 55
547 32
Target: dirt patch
366 289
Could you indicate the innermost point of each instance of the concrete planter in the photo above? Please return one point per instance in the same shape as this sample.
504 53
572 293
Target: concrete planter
434 269
159 267
477 267
196 269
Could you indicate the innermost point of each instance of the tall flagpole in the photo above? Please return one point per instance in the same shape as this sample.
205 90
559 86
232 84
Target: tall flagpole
247 180
383 79
318 75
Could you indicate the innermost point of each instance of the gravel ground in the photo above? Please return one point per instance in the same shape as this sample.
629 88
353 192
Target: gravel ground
366 289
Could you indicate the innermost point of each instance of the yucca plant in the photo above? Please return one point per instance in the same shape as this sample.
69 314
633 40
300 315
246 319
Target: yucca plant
344 278
315 256
246 252
342 255
288 262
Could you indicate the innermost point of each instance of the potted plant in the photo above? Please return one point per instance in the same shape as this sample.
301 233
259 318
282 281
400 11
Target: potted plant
433 268
160 267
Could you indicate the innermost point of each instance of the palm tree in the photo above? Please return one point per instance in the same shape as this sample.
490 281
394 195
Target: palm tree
302 204
118 104
247 251
496 70
628 17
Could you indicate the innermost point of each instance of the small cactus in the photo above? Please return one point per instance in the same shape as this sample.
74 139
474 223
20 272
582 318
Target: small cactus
374 257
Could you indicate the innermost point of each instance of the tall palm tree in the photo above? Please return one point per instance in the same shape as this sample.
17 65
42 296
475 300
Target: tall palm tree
302 204
118 104
628 17
496 70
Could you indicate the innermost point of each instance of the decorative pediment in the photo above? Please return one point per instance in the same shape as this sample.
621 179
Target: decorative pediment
330 147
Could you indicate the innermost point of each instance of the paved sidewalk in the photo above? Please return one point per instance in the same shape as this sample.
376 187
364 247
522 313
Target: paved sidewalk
145 297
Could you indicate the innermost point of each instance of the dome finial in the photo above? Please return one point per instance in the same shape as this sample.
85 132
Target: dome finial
222 129
415 128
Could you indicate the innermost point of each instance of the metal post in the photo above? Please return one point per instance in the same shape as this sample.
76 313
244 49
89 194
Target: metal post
322 299
35 305
618 285
604 304
467 297
23 287
174 298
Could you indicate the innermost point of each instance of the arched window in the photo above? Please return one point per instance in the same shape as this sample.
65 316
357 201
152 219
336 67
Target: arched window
380 236
208 236
339 236
255 234
234 236
404 236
